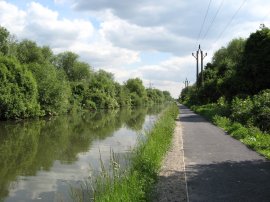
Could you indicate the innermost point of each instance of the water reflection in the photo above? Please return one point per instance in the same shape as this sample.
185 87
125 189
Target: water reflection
39 157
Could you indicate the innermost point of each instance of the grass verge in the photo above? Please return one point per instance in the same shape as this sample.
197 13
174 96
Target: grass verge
135 182
251 136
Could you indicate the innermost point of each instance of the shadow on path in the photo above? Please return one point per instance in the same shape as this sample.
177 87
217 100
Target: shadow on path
230 181
247 181
220 168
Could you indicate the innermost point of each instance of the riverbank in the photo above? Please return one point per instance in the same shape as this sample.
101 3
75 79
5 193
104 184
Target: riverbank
171 184
136 182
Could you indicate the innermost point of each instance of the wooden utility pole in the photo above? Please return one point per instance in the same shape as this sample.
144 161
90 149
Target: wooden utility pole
197 64
186 83
202 57
150 85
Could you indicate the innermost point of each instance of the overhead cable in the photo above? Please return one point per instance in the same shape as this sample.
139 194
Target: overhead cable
205 16
230 21
213 19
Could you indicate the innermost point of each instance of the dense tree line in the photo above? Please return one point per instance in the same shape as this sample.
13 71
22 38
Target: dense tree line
238 78
36 82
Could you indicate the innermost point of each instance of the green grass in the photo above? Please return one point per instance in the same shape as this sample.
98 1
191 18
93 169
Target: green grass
251 136
135 182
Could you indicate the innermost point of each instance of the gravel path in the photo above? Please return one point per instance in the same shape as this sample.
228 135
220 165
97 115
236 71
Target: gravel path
171 184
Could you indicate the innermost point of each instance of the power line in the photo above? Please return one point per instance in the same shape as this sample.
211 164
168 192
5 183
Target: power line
205 16
213 19
230 21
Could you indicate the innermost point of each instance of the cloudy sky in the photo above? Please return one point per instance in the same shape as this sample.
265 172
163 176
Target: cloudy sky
150 39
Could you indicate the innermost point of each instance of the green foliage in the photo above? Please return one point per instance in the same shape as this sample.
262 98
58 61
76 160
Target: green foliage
239 73
53 89
157 96
262 110
242 110
61 83
122 95
4 34
254 70
102 90
18 91
33 145
29 52
75 70
134 183
137 91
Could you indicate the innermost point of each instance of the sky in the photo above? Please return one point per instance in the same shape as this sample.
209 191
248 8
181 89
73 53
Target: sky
149 39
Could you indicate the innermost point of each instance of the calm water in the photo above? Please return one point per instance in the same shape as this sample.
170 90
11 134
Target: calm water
40 160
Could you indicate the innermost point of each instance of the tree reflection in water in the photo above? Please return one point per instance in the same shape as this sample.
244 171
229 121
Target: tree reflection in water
35 145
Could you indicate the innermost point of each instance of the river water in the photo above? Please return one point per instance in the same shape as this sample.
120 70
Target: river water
40 160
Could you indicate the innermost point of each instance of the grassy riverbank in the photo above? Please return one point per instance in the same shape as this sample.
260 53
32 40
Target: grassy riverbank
251 136
134 183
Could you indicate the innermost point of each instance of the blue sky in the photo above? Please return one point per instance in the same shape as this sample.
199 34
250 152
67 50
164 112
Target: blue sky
149 39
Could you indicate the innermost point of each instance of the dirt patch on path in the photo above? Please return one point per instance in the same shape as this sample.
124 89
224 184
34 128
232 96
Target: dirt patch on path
171 184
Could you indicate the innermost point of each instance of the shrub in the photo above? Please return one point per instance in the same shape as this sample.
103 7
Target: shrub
262 110
53 89
240 133
222 107
242 110
18 91
222 122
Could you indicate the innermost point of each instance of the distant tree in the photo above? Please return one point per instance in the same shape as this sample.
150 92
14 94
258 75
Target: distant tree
4 35
137 91
47 54
75 70
122 95
28 52
102 90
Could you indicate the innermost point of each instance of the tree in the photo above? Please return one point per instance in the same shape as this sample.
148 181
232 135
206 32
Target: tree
18 91
102 90
137 91
4 35
54 90
254 70
28 52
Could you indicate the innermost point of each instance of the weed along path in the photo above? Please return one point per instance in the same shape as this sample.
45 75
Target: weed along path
218 167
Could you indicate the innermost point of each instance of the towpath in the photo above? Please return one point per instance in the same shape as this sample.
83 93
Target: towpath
209 165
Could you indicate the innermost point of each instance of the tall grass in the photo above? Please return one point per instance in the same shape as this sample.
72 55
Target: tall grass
134 183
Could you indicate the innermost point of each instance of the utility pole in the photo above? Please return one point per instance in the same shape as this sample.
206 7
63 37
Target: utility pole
150 85
197 64
186 83
202 57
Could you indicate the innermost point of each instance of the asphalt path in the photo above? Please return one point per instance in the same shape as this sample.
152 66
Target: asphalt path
218 167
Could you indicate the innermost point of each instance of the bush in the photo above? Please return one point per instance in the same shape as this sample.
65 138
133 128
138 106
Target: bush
18 91
262 110
239 132
53 89
242 110
222 122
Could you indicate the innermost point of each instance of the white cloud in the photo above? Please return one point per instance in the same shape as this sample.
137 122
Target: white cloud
127 29
11 17
46 27
124 34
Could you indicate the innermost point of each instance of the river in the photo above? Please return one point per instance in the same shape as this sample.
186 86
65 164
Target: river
40 160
